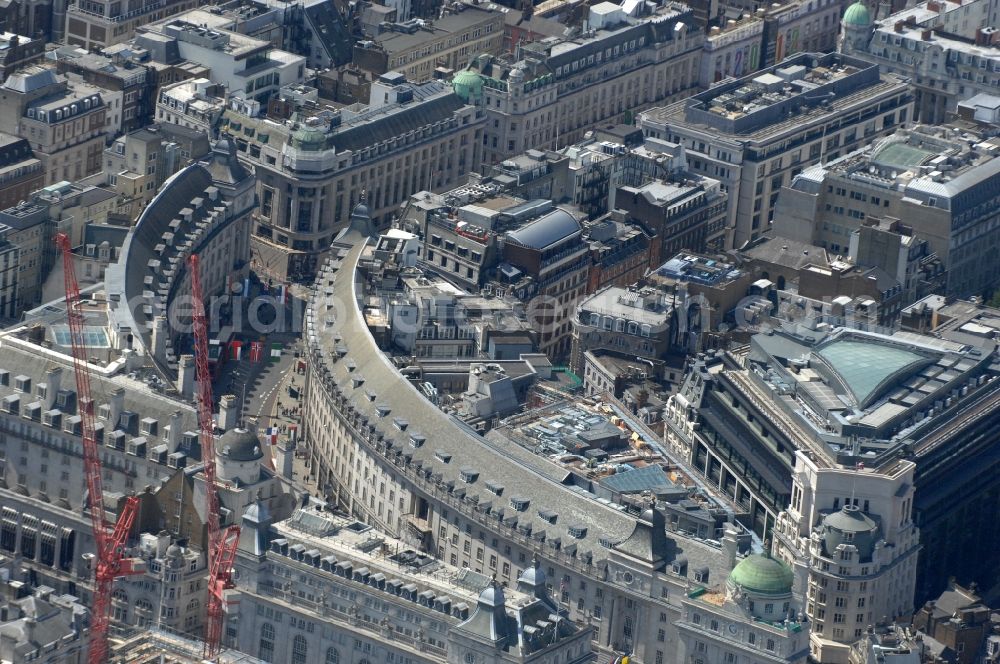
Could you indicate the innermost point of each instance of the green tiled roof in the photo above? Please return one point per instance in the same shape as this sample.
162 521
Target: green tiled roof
763 574
858 14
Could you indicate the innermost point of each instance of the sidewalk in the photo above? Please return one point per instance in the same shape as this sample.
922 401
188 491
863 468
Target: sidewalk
286 411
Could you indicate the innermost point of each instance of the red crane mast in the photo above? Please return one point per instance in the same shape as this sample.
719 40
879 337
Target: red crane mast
221 543
109 540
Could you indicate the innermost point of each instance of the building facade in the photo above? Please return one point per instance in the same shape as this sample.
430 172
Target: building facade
760 588
560 88
313 169
361 596
546 264
948 50
195 104
209 205
97 24
63 121
20 171
639 325
417 48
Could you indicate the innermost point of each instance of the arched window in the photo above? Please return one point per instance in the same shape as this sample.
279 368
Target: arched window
143 613
608 322
120 605
332 656
299 649
646 329
619 325
633 327
266 650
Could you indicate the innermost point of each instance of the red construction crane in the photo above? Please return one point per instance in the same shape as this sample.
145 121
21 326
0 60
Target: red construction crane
109 540
221 543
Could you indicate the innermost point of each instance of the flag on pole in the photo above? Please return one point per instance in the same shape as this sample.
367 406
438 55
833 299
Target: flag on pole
283 293
860 466
236 350
272 435
246 287
276 349
256 350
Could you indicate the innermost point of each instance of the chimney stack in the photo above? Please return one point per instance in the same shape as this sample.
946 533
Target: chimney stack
229 415
185 376
53 382
174 433
117 404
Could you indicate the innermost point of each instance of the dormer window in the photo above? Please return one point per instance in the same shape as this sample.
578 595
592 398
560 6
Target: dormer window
519 503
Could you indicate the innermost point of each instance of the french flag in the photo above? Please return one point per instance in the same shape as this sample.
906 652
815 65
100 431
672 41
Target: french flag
272 435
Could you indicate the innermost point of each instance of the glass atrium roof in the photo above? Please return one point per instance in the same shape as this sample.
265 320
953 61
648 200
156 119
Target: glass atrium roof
93 336
864 367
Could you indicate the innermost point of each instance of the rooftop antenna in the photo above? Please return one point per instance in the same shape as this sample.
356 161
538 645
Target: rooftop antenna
858 467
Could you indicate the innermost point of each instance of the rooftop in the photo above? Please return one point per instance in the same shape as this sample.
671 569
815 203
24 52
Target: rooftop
320 129
505 469
804 87
929 164
862 395
697 269
642 305
863 368
407 39
350 541
555 227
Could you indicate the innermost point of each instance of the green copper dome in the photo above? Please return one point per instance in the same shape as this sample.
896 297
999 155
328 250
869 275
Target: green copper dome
468 85
858 14
310 138
762 574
